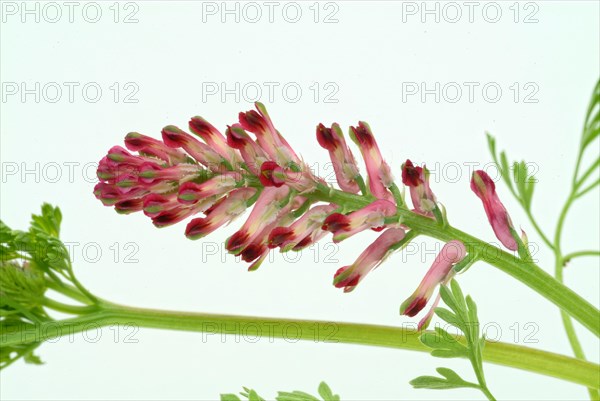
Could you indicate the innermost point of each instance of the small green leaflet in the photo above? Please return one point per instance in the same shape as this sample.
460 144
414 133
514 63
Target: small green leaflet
251 395
521 183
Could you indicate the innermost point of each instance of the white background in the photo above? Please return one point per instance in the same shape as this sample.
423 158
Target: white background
171 54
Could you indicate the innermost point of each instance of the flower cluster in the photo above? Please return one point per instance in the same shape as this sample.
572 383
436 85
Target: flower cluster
251 165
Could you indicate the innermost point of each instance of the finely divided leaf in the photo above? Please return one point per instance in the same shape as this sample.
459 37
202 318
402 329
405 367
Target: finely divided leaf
450 380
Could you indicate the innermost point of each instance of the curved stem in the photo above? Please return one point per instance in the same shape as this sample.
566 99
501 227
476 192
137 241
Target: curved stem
538 229
588 189
570 256
516 356
558 272
66 308
69 291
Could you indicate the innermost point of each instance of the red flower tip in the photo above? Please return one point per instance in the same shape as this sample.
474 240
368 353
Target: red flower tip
135 141
326 138
236 136
415 307
253 252
335 222
154 204
252 121
303 243
362 135
197 228
279 235
169 217
271 174
118 154
173 137
236 241
201 127
106 193
129 206
482 183
411 175
189 193
344 278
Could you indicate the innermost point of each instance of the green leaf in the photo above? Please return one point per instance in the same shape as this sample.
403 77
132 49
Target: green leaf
491 144
32 358
505 170
230 397
443 344
448 298
253 396
458 296
326 393
49 221
448 316
450 380
295 396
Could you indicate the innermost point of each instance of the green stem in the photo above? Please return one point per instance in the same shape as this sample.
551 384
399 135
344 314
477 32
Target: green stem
538 229
527 272
62 307
577 183
558 273
573 255
68 290
487 393
588 189
515 356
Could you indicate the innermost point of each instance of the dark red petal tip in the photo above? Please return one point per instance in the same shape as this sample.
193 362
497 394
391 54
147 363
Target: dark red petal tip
326 138
411 175
335 222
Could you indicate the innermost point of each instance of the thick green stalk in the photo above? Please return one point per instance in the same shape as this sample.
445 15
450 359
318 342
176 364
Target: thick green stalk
527 272
515 356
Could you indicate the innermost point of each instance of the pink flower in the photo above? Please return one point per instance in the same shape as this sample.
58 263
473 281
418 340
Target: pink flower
273 175
380 176
129 206
252 154
146 145
154 204
370 217
417 179
191 192
176 138
269 139
265 212
452 253
303 231
213 139
344 164
152 172
348 277
484 188
180 212
221 213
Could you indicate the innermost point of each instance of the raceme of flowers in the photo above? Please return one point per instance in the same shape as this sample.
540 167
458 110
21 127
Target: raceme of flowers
218 176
